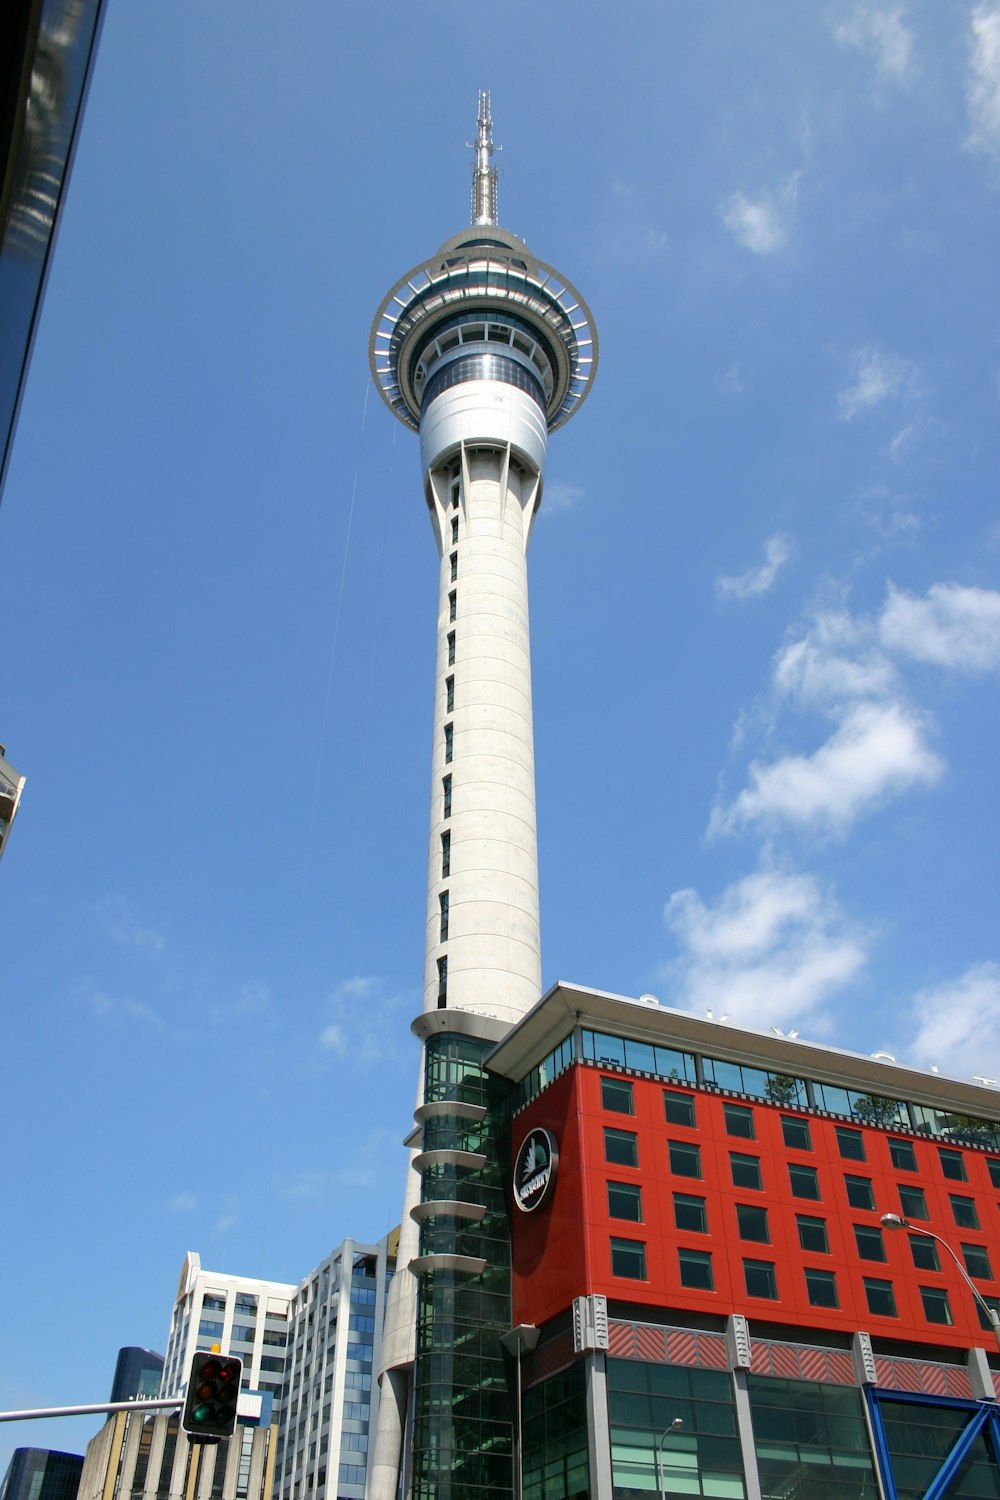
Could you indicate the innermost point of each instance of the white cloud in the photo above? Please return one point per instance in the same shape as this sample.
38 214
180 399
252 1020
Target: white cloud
560 497
730 382
364 1024
958 1024
880 31
777 551
774 950
952 626
225 1223
118 919
834 663
878 376
182 1203
122 1009
982 93
878 751
762 224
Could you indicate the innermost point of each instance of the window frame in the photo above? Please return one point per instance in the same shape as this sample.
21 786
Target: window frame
744 1160
625 1091
732 1112
680 1151
902 1154
848 1133
796 1124
909 1195
753 1210
696 1205
968 1204
768 1271
877 1286
808 1174
811 1223
824 1278
613 1133
629 1192
634 1248
695 1258
682 1104
874 1234
852 1182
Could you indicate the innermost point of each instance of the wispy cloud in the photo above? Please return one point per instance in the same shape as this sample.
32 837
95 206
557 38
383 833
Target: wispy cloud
730 382
952 626
762 223
890 516
117 916
230 1216
363 1021
878 376
558 497
182 1203
878 751
774 950
958 1024
778 549
121 1010
982 92
849 668
881 33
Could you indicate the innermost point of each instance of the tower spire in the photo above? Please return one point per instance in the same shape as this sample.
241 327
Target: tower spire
484 173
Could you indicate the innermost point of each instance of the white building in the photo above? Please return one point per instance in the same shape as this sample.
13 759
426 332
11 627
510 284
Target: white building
330 1397
241 1314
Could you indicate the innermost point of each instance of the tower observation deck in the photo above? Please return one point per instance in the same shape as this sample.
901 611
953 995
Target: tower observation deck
483 350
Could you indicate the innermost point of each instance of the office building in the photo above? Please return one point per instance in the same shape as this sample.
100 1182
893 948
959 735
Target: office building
137 1455
330 1397
47 51
240 1314
138 1373
643 1252
41 1474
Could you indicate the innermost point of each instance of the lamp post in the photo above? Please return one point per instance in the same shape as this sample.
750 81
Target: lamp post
675 1426
896 1221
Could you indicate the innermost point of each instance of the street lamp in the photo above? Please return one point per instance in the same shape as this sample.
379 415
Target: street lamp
896 1221
675 1426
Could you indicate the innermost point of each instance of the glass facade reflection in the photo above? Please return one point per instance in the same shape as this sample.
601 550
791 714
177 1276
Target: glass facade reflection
701 1458
554 1437
811 1440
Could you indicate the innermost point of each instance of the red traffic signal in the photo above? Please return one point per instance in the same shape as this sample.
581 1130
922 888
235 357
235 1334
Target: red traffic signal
212 1393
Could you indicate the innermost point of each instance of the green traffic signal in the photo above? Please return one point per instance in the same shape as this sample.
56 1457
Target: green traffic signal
213 1391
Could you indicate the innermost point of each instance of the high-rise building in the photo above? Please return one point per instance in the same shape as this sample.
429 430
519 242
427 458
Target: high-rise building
41 1474
330 1400
240 1314
138 1373
483 350
643 1252
137 1455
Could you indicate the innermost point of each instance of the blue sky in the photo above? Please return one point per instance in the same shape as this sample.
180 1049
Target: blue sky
765 607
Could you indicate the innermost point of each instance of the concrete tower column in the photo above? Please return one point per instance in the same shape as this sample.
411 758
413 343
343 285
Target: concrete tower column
483 350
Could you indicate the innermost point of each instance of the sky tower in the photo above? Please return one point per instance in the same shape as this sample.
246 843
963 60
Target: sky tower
483 350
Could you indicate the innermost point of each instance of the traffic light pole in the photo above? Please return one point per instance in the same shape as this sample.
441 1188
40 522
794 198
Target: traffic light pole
171 1403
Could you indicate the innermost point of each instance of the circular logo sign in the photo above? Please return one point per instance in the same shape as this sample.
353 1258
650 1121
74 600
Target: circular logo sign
535 1167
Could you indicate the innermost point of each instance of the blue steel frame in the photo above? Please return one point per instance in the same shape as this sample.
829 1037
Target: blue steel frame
982 1415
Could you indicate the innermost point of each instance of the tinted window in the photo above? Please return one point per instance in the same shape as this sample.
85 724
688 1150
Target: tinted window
760 1279
904 1158
745 1170
685 1159
977 1261
695 1268
881 1301
936 1308
859 1192
752 1223
804 1181
952 1164
822 1288
625 1201
678 1108
796 1133
689 1213
851 1143
964 1211
620 1147
924 1252
812 1234
912 1202
628 1258
869 1242
739 1121
616 1094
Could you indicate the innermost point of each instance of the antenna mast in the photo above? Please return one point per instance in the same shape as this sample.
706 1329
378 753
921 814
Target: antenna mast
484 173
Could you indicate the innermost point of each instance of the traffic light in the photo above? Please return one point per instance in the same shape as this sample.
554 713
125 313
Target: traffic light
212 1393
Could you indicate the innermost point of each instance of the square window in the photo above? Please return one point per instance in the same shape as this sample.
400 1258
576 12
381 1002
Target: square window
881 1301
628 1258
796 1133
689 1213
977 1261
760 1279
625 1201
685 1159
964 1212
678 1108
812 1234
821 1287
904 1158
739 1120
695 1267
868 1238
804 1180
616 1094
912 1203
752 1222
952 1164
936 1308
993 1166
745 1170
620 1147
924 1253
859 1192
851 1143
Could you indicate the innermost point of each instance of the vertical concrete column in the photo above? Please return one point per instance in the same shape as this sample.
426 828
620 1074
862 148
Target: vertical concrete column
744 1426
482 888
598 1426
